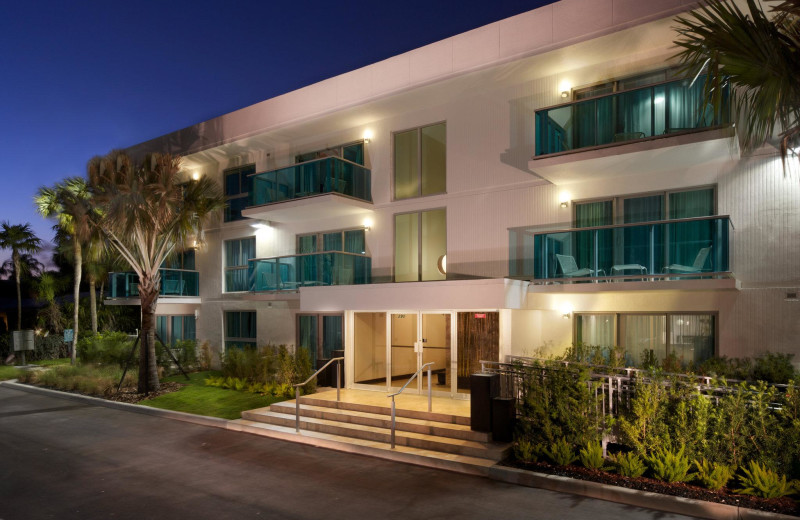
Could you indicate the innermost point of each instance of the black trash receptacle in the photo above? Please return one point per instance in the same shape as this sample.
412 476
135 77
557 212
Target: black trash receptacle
324 378
483 388
503 416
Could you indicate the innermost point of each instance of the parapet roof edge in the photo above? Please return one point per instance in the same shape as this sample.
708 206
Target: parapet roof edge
293 107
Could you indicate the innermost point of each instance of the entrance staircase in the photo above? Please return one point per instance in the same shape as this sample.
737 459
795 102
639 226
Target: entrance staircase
359 423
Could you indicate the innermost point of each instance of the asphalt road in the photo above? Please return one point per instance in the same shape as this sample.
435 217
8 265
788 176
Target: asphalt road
62 459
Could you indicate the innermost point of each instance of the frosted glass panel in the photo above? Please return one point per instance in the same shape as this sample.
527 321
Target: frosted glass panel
406 247
434 159
406 165
434 243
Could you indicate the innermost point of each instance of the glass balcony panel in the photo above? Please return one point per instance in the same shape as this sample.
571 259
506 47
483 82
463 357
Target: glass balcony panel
626 116
663 249
317 177
288 273
174 282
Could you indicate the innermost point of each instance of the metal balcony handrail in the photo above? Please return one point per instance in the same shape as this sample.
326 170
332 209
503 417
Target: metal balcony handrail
626 225
613 94
308 162
312 376
306 254
430 403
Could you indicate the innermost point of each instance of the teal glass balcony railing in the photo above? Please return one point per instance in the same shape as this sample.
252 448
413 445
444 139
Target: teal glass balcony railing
669 249
663 109
174 282
317 177
289 273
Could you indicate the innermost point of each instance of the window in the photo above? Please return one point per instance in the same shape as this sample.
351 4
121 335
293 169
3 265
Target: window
171 329
631 82
420 161
348 240
237 254
321 334
240 329
647 207
420 246
183 260
353 152
237 190
689 337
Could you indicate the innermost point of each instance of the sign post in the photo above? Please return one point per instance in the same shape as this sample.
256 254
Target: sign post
69 337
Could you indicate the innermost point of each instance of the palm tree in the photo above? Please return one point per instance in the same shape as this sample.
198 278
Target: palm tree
759 55
21 240
68 203
93 259
147 211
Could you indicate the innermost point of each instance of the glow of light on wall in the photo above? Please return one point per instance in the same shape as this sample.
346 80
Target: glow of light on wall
367 135
195 176
564 86
566 310
563 198
367 223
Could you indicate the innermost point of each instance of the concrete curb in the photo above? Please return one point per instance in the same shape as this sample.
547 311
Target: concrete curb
631 497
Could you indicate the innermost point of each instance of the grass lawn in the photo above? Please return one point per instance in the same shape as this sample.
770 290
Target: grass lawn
7 372
51 362
208 400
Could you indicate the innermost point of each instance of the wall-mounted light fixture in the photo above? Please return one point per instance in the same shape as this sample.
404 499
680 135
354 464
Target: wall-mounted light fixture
565 94
261 225
367 136
566 311
367 224
441 264
195 175
564 198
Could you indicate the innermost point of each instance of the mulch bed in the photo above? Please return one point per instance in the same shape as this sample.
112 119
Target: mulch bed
130 395
784 505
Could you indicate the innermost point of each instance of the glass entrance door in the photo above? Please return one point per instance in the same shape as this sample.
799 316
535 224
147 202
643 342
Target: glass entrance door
418 338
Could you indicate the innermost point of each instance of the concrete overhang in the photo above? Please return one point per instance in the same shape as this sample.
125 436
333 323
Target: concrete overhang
317 207
495 293
662 153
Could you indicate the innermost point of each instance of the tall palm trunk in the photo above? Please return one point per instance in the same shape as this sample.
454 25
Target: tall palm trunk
76 293
93 301
17 268
148 368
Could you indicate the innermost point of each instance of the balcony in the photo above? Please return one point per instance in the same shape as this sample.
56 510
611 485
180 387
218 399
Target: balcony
338 187
681 249
656 122
174 283
289 273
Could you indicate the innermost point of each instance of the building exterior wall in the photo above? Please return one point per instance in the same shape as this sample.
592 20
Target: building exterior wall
486 85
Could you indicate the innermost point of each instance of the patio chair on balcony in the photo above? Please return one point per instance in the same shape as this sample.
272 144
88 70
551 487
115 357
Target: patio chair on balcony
696 267
569 268
173 287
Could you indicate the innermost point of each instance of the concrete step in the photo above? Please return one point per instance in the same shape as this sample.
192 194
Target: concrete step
386 410
490 451
406 424
405 454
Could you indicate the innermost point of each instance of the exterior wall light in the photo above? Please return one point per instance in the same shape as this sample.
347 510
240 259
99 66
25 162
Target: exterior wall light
195 176
564 94
441 264
566 311
564 198
367 136
367 224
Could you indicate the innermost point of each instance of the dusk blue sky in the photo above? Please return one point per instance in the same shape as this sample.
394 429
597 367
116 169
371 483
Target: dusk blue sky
81 78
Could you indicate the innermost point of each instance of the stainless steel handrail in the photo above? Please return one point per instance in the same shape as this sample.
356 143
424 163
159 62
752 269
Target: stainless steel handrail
315 374
430 403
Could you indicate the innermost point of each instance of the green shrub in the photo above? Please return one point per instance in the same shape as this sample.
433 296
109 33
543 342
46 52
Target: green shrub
558 404
712 475
526 451
592 456
561 453
644 428
51 346
251 364
99 381
669 466
628 464
775 368
106 348
763 482
204 359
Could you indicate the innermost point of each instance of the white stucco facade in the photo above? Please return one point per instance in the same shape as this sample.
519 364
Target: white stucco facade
486 86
